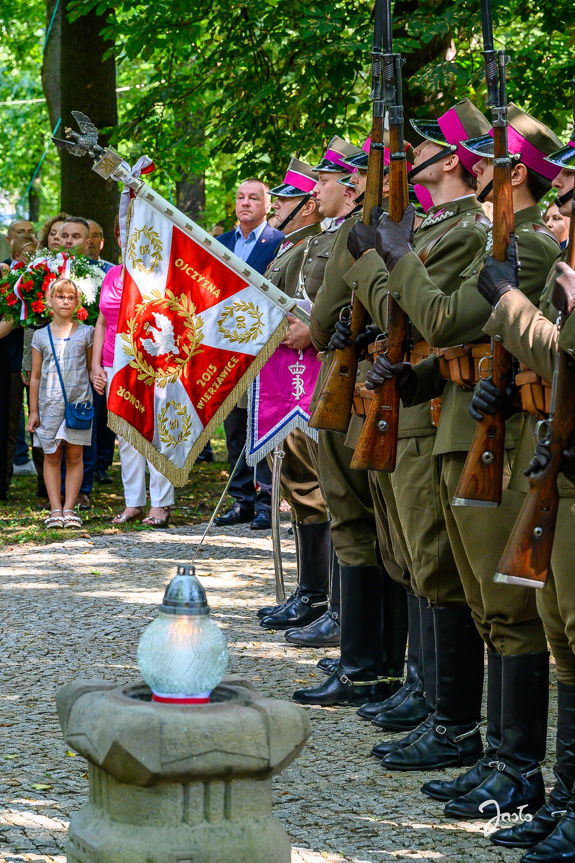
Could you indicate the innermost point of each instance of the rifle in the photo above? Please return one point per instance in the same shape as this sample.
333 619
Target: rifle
527 555
377 445
332 410
481 481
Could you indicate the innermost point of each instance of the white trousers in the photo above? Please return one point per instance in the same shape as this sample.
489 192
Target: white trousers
133 466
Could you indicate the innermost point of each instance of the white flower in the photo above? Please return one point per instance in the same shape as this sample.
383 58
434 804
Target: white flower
87 288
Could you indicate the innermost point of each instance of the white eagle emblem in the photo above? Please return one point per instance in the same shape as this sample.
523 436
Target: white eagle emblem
163 338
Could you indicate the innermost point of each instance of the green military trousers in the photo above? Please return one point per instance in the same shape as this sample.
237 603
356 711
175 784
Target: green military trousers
556 601
505 614
299 482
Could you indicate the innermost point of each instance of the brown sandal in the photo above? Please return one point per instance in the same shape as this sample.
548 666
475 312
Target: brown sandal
122 518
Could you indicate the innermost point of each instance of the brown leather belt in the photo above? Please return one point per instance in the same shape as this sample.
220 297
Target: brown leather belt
535 392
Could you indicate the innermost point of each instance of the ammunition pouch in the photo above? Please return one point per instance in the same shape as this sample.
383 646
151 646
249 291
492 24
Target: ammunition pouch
535 392
462 364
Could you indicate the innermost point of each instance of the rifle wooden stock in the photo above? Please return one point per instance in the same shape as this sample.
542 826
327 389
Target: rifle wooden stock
377 445
527 556
332 410
481 482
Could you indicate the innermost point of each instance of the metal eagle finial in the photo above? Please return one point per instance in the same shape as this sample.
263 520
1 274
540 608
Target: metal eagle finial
85 142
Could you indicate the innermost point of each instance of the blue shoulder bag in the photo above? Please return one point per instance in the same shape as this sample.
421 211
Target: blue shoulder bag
78 416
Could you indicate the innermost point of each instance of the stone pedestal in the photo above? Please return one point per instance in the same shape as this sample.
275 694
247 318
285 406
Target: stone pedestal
179 784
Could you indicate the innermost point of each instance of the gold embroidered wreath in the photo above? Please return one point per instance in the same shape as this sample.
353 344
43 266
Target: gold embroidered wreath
153 248
250 333
167 425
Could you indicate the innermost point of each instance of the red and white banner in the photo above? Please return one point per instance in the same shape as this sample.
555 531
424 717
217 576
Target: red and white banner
192 335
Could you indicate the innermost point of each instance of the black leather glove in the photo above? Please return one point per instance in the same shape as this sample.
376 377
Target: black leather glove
542 457
383 371
563 296
341 338
488 399
393 240
361 238
366 338
498 277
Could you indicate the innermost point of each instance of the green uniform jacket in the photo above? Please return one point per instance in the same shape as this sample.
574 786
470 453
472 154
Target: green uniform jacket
459 315
449 238
284 270
531 335
333 294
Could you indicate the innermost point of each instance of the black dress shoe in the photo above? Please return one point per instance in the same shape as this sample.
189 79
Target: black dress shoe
384 747
323 632
527 834
339 689
304 609
103 477
236 514
439 747
504 790
328 664
446 789
405 716
262 520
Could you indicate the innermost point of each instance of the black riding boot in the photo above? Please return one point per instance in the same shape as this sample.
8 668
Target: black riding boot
313 546
515 779
273 609
527 834
413 676
448 789
453 738
413 709
358 674
427 635
323 632
559 846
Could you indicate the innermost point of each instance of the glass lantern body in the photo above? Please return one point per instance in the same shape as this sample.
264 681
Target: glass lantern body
182 658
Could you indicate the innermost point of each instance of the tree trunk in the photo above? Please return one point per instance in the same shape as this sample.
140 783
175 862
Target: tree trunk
191 188
88 84
51 61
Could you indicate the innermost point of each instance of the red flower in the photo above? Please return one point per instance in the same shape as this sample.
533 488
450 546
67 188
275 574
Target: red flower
81 314
27 286
18 266
38 306
11 299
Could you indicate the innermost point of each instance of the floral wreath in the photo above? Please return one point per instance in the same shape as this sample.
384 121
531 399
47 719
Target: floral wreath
185 309
250 334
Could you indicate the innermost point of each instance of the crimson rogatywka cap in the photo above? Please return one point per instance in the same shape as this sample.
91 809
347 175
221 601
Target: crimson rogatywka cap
334 159
460 123
298 181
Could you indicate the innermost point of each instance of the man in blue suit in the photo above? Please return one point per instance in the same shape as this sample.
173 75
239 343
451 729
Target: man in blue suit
255 242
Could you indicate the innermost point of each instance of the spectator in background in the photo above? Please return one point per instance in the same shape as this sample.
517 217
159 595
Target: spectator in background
75 233
96 244
255 242
558 224
218 229
49 233
18 229
133 464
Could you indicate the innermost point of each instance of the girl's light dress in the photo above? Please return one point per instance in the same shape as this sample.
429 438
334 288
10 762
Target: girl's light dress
71 353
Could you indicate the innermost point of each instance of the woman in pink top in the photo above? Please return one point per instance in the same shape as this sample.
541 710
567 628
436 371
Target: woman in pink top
133 464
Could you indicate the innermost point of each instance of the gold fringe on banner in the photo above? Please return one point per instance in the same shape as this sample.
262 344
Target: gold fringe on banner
178 476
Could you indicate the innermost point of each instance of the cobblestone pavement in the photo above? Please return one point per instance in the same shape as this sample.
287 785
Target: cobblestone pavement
77 609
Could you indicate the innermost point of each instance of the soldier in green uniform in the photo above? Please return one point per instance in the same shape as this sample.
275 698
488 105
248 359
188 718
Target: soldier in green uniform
304 270
369 648
296 210
532 336
505 615
448 239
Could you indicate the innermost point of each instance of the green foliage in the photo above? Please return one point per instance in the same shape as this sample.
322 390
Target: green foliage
236 89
